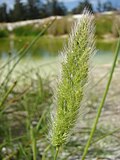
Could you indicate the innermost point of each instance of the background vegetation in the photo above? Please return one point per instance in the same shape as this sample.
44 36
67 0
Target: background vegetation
105 27
35 9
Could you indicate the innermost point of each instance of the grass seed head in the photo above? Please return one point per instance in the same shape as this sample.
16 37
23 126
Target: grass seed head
73 79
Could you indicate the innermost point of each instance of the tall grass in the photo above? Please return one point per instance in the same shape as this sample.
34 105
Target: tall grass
9 95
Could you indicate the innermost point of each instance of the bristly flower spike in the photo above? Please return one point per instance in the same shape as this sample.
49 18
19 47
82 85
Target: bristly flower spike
75 68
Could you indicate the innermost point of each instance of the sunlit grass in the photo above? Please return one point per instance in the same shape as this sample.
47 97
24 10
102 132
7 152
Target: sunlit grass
25 101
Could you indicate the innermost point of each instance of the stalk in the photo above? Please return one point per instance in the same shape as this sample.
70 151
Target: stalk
6 95
56 154
33 139
102 102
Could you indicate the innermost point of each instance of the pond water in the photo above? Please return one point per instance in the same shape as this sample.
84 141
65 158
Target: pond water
47 48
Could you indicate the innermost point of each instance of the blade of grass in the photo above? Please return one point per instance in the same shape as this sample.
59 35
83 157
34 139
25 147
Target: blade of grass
40 120
33 139
7 94
23 151
56 153
102 102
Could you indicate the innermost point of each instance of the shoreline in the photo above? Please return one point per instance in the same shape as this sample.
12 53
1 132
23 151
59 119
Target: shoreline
64 36
105 26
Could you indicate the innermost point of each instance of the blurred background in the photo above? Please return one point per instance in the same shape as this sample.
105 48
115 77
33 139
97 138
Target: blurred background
22 20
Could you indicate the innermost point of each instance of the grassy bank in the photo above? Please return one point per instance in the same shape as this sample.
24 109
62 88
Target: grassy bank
105 27
46 47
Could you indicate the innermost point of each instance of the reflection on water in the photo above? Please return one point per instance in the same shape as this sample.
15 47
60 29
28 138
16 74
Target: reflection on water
44 48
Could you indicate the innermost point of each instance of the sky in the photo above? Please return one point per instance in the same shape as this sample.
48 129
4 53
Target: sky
70 4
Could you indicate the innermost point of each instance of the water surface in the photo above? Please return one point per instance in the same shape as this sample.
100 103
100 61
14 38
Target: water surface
49 47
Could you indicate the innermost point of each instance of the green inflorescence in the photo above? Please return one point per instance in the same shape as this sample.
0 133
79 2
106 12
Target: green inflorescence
73 79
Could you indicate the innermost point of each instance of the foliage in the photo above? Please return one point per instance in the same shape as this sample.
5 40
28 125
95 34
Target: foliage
54 7
3 33
79 9
24 107
36 9
3 13
33 9
106 6
19 9
104 25
24 131
28 30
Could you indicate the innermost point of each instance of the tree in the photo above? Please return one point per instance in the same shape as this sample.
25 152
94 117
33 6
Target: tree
58 8
107 6
99 6
54 7
85 4
18 12
33 8
3 13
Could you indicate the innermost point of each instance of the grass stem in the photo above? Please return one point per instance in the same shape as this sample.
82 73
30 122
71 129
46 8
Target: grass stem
56 154
7 94
33 139
102 102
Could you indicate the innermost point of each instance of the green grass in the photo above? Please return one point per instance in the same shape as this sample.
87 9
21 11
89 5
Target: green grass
106 45
21 108
103 25
4 33
28 30
29 104
60 27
